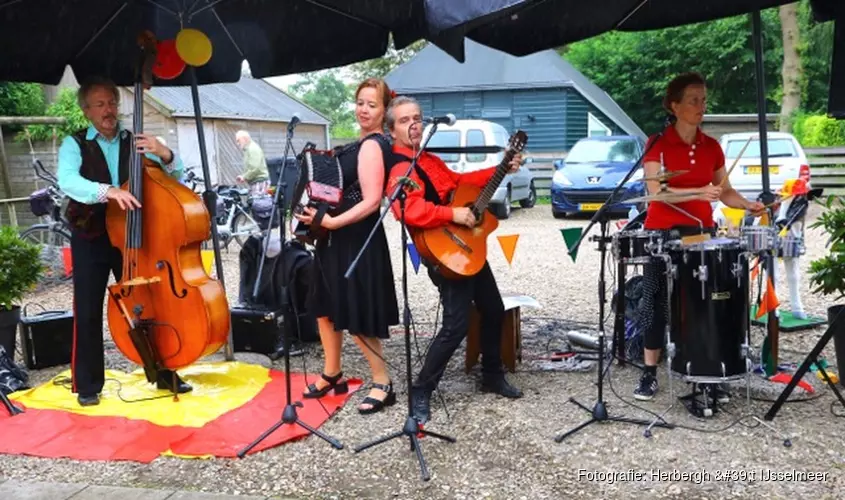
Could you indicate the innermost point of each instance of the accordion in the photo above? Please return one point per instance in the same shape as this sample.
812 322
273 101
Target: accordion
320 186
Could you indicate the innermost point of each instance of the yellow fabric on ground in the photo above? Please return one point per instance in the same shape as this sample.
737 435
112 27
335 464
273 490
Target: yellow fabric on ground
217 388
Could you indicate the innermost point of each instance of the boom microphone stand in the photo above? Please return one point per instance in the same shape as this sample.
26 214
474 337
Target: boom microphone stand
289 415
599 410
411 427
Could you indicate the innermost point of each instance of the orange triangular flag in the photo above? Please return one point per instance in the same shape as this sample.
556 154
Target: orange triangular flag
769 302
508 244
764 219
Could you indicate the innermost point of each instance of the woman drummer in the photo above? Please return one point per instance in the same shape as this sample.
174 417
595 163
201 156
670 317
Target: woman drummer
681 147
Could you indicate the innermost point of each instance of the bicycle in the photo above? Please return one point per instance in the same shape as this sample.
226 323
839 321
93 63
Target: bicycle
52 236
234 219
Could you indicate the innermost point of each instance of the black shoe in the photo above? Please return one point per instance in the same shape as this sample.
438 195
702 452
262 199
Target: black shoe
421 405
498 384
88 399
165 381
295 350
376 405
340 387
647 388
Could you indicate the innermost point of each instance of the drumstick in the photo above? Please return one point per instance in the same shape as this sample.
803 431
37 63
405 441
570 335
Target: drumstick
735 162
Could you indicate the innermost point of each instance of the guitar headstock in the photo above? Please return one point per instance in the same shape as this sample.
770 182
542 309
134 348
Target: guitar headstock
148 46
517 142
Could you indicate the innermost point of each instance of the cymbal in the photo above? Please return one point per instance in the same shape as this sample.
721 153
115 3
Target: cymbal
664 176
667 197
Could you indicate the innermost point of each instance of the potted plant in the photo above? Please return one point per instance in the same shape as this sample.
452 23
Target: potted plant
20 269
827 274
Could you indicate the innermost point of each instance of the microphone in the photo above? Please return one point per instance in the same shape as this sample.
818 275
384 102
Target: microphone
449 119
294 121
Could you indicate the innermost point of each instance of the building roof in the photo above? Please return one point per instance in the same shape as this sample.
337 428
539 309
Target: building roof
246 99
434 71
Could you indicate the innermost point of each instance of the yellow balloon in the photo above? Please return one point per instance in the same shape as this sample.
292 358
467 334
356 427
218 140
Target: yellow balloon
193 47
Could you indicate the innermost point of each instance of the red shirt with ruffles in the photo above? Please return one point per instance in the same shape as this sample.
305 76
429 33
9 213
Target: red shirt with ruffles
420 212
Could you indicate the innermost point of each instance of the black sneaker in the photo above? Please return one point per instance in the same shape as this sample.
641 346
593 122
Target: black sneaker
647 388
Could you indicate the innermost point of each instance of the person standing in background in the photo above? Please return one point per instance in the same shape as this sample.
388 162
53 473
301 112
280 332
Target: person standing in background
255 166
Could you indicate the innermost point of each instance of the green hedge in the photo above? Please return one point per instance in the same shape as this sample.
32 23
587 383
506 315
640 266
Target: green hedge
818 131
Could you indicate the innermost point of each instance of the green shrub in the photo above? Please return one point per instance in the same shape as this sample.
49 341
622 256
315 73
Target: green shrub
827 274
64 106
20 266
819 131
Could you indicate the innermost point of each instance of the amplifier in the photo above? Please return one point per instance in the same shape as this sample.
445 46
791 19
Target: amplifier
256 330
47 339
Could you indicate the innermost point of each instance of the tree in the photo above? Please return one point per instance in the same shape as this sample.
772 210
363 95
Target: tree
634 68
65 106
380 67
20 99
328 94
791 72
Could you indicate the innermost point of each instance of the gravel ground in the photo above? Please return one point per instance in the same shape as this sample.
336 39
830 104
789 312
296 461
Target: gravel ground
505 449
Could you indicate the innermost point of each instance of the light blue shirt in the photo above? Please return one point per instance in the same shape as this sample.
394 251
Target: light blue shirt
90 192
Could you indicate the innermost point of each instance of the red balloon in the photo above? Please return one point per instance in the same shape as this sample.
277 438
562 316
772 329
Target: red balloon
168 64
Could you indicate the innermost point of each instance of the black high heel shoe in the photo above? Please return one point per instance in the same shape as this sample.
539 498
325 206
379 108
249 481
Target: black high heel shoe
334 383
377 405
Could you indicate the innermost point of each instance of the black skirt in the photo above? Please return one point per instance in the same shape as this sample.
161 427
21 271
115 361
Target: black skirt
365 304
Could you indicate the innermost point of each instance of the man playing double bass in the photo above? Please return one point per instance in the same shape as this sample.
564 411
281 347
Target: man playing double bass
93 163
424 209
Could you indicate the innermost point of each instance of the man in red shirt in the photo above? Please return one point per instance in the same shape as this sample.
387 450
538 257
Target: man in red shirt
424 208
682 147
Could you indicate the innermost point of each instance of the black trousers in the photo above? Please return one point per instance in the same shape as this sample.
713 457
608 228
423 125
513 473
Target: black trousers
93 260
457 297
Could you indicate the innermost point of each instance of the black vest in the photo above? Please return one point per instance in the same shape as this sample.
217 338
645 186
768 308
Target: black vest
90 220
430 193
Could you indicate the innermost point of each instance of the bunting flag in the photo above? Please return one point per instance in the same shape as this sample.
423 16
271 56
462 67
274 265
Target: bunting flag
769 302
570 236
764 219
508 244
755 269
415 257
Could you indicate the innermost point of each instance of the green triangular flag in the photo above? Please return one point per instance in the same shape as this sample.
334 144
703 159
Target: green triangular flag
570 236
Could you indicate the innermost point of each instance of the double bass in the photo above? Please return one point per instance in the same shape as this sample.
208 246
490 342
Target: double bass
165 311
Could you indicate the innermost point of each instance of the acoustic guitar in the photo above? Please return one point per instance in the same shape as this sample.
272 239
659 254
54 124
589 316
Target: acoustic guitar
457 251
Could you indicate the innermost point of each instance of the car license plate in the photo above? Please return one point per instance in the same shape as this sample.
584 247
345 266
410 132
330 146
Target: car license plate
590 207
773 170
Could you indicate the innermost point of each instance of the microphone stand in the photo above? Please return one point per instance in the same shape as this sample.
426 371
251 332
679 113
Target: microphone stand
11 408
599 410
289 415
411 428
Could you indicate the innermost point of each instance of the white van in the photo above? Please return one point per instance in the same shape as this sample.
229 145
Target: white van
466 133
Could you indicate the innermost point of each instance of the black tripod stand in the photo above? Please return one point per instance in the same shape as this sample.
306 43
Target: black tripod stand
411 428
289 415
813 357
599 410
11 408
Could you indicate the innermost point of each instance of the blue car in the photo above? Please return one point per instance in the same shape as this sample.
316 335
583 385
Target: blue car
592 170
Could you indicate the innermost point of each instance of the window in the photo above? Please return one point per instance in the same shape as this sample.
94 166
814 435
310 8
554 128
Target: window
475 137
446 139
783 148
596 127
602 150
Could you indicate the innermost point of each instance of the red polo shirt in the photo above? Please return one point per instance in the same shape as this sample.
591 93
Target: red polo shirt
702 159
420 212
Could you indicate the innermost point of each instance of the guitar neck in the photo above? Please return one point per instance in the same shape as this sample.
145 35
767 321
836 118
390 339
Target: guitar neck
489 190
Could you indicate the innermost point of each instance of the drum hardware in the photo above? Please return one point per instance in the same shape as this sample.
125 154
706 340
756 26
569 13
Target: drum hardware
664 176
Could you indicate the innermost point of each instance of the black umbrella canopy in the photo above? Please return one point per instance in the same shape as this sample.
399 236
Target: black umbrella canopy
40 38
521 27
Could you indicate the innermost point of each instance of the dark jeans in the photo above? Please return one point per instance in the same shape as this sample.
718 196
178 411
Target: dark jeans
93 260
457 297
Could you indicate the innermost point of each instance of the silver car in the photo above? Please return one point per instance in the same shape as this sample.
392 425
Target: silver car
516 187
